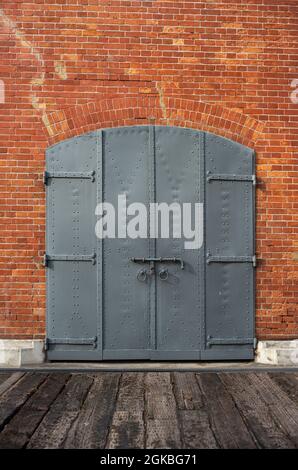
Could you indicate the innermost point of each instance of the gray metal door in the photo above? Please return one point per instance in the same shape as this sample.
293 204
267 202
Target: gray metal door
230 259
147 298
179 177
125 298
73 256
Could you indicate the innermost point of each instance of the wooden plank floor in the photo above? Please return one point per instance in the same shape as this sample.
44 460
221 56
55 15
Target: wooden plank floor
149 410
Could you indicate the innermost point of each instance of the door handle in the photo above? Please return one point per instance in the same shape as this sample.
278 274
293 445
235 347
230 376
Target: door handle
142 275
163 274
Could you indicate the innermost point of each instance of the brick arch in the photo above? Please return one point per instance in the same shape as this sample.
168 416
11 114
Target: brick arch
128 111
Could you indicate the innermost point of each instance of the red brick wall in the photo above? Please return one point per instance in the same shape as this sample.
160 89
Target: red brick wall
75 65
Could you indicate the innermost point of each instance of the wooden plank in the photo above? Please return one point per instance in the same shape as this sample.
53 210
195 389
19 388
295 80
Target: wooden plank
226 422
10 381
192 413
53 430
127 428
16 396
18 431
4 376
256 412
288 382
282 408
160 412
90 429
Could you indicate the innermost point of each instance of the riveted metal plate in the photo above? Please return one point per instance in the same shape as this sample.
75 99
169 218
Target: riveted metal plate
72 310
126 305
230 258
179 176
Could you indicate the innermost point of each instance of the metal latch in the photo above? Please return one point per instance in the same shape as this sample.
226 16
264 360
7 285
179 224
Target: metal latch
159 260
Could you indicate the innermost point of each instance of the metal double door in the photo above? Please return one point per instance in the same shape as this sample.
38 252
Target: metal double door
126 298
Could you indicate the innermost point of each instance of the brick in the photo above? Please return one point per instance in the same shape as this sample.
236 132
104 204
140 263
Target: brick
71 67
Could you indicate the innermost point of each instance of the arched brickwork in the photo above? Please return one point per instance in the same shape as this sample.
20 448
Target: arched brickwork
116 112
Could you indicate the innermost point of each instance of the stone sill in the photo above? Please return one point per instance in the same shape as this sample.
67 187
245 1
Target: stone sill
18 353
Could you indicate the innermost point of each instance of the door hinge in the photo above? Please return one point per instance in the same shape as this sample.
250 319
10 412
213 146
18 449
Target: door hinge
47 258
231 177
229 341
67 174
72 341
232 259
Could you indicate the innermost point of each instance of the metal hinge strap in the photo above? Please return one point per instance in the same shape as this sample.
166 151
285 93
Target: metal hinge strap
229 341
229 177
232 259
67 174
71 341
47 258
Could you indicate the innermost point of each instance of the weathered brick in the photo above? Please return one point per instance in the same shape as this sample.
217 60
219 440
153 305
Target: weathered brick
70 67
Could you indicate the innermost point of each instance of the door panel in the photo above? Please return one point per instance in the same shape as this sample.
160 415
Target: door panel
229 235
126 300
178 305
74 305
73 327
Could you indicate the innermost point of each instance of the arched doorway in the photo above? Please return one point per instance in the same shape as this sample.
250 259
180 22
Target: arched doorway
155 298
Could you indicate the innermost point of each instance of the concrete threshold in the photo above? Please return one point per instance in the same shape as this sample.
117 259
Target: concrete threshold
150 367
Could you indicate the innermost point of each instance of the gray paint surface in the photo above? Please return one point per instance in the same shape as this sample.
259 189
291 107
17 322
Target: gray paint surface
101 310
229 209
126 308
72 290
178 306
